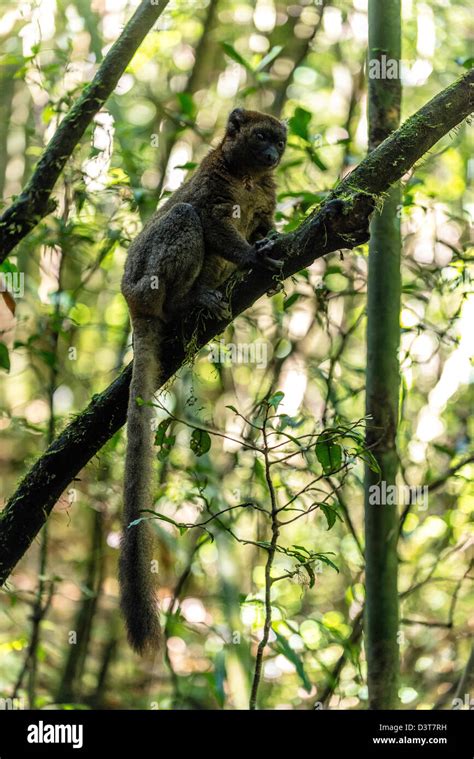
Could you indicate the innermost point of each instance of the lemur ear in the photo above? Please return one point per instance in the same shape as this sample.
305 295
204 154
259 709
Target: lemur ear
284 123
235 121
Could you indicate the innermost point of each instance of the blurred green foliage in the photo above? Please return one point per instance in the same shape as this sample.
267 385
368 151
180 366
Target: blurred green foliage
70 336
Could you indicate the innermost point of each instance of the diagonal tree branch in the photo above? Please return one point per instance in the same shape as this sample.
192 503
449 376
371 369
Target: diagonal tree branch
334 226
35 201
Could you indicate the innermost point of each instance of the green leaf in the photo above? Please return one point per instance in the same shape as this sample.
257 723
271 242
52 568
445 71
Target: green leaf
301 548
232 53
220 675
328 453
263 77
264 544
4 357
259 472
311 575
161 431
467 63
166 448
290 421
7 266
330 514
276 399
299 123
269 57
11 59
179 525
323 557
200 442
185 166
281 644
164 441
247 91
290 300
371 461
188 106
314 158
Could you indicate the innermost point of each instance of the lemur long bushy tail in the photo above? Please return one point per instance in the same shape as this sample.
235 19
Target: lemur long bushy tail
138 598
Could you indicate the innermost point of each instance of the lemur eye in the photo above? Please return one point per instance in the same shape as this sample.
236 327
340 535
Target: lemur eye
260 136
281 144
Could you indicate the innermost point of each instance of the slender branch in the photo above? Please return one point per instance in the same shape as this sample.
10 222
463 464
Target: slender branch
172 612
435 485
336 671
425 623
298 52
216 433
321 233
275 531
35 201
347 516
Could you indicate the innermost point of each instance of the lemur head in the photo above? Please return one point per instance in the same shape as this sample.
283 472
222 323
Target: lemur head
254 142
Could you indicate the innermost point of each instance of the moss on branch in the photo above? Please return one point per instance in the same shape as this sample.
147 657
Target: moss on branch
321 233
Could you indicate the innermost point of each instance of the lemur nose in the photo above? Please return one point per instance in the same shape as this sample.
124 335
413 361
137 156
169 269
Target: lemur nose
271 156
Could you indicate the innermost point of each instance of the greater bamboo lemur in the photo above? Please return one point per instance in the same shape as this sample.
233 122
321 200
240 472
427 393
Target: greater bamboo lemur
216 222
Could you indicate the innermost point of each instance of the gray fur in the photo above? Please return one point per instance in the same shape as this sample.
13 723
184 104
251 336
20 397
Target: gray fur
207 229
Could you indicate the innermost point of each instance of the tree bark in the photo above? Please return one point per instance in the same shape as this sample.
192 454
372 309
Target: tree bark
321 233
382 375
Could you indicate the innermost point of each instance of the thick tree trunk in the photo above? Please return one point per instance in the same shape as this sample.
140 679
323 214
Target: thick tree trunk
382 375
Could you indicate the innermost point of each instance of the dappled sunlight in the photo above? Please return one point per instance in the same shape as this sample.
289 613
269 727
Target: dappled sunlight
263 442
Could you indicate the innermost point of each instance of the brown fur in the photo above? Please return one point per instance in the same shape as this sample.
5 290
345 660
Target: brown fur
207 229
